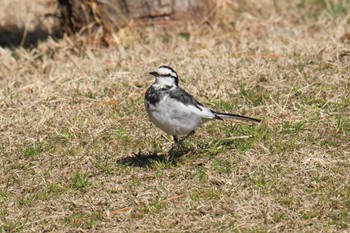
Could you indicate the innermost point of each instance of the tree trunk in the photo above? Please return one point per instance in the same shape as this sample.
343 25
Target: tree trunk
83 15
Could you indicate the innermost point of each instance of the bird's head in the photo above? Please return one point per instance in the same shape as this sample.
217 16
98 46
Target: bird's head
166 76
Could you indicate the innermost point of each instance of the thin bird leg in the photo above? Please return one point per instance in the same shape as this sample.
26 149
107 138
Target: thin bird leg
187 136
174 147
177 143
176 140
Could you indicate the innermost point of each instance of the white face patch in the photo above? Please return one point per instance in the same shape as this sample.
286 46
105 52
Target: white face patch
165 81
166 71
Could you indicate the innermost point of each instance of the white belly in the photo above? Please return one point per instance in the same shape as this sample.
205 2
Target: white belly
175 118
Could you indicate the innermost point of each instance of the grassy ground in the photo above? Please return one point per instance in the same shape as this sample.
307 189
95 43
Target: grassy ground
79 154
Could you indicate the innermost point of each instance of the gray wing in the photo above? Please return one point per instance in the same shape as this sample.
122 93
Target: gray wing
184 97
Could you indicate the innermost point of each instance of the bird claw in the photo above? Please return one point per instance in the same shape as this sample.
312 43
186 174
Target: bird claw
178 150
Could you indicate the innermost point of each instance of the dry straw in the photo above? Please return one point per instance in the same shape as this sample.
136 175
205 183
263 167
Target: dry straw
77 152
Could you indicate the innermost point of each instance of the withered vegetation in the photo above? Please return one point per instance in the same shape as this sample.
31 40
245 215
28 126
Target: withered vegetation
77 152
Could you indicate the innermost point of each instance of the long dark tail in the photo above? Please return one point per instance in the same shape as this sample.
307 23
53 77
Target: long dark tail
224 116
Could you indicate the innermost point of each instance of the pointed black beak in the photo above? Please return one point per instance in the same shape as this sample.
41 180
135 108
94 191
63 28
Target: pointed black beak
153 73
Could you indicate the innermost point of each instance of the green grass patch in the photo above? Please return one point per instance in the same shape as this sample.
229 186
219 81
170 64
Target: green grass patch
84 220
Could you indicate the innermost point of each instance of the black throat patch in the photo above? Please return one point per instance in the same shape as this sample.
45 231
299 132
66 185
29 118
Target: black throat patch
154 95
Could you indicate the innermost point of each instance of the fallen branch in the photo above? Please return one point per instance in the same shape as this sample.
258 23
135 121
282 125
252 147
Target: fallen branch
172 198
121 210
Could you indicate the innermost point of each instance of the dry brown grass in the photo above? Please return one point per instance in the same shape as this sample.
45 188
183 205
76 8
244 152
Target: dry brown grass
78 153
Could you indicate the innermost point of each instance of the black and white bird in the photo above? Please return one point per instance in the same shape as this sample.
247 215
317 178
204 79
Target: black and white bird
175 111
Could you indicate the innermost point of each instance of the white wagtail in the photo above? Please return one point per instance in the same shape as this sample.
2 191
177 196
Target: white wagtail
175 111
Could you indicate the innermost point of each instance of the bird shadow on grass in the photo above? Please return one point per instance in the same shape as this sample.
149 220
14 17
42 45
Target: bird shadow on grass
141 159
147 159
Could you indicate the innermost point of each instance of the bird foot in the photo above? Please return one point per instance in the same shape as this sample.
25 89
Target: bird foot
178 150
